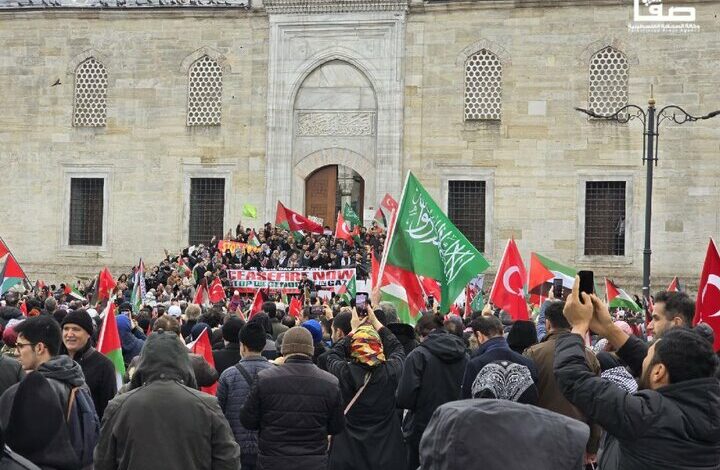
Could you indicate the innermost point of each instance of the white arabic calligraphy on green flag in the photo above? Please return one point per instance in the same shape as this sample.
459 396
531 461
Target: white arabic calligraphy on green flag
425 242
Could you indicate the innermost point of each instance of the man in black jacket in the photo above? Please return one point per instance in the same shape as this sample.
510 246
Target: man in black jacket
496 371
432 375
99 372
230 354
674 421
295 406
11 372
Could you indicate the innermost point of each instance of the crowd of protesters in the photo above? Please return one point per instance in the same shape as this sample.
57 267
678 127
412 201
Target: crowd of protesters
339 387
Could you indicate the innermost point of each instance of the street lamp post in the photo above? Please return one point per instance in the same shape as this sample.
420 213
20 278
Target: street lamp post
651 125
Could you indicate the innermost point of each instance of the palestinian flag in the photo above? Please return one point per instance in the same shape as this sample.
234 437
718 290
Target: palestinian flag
11 274
3 248
182 267
618 298
138 292
542 272
395 294
109 343
347 291
253 239
674 285
73 292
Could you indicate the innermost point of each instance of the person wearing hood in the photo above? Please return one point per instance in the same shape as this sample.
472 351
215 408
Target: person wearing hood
10 311
131 345
315 329
674 420
519 437
36 436
432 375
38 342
368 364
99 371
163 401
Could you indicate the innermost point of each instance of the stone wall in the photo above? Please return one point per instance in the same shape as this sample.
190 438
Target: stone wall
535 159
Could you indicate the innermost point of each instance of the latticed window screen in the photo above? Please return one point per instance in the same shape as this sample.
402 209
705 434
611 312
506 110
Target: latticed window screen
608 81
86 211
204 93
605 218
207 209
90 94
466 209
483 87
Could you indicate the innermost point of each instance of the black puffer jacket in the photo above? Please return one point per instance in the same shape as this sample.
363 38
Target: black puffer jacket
11 372
8 313
676 426
432 376
294 406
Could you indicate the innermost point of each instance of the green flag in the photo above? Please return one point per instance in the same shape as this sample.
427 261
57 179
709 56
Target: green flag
249 210
347 292
425 242
353 221
477 303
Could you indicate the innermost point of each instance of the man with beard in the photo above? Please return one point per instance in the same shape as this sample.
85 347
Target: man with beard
673 421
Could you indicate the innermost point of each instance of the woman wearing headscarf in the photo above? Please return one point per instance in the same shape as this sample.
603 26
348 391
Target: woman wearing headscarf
368 364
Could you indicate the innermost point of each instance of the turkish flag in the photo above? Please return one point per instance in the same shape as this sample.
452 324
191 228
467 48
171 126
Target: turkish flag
202 347
106 284
295 307
216 293
507 291
297 222
257 304
342 229
707 304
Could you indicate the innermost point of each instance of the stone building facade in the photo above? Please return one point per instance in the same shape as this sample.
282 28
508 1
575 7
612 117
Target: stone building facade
120 114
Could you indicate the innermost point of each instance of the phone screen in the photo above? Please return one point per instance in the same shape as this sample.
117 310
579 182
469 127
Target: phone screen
360 302
558 288
587 282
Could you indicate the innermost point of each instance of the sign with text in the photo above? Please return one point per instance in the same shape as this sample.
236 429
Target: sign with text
248 281
232 245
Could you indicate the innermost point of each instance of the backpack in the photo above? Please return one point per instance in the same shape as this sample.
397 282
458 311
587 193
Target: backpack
83 424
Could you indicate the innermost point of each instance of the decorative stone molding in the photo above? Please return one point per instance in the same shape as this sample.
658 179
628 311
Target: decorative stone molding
616 43
502 54
205 51
121 4
344 124
333 6
82 57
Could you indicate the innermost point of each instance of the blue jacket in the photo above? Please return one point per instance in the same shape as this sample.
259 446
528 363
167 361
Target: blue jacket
131 345
232 392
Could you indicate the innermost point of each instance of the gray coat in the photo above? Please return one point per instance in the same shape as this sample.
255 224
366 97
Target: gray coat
163 423
518 437
232 392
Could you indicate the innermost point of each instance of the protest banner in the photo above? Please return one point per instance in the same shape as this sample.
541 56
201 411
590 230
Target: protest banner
232 245
248 281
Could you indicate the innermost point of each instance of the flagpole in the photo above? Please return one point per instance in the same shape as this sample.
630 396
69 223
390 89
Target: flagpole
391 232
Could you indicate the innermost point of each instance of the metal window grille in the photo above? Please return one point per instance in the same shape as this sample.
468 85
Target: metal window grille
608 81
90 94
204 93
483 87
466 209
207 209
86 211
605 218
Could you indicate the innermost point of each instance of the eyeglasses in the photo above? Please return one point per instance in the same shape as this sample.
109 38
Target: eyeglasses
19 346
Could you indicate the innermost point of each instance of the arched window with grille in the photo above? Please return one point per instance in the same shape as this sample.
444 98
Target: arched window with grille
483 87
204 93
90 109
609 75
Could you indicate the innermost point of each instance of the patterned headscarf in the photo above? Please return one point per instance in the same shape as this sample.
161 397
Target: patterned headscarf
366 346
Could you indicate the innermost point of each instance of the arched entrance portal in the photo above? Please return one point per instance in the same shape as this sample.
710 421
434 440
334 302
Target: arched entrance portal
329 188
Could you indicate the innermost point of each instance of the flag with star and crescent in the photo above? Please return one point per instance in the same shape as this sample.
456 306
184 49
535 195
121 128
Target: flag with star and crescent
508 290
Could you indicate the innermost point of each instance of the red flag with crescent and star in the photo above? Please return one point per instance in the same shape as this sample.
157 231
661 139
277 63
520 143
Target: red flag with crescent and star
295 222
707 304
508 290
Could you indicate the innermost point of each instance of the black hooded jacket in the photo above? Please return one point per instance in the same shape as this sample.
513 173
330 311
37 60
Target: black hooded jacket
675 426
432 376
162 401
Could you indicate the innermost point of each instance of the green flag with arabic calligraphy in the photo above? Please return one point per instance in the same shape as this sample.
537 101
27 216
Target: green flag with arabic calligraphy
425 242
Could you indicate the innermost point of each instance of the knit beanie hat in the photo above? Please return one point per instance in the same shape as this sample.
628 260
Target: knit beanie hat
315 329
80 318
297 340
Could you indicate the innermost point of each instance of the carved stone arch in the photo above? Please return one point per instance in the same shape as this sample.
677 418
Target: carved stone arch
502 54
328 55
200 53
333 156
610 41
75 62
